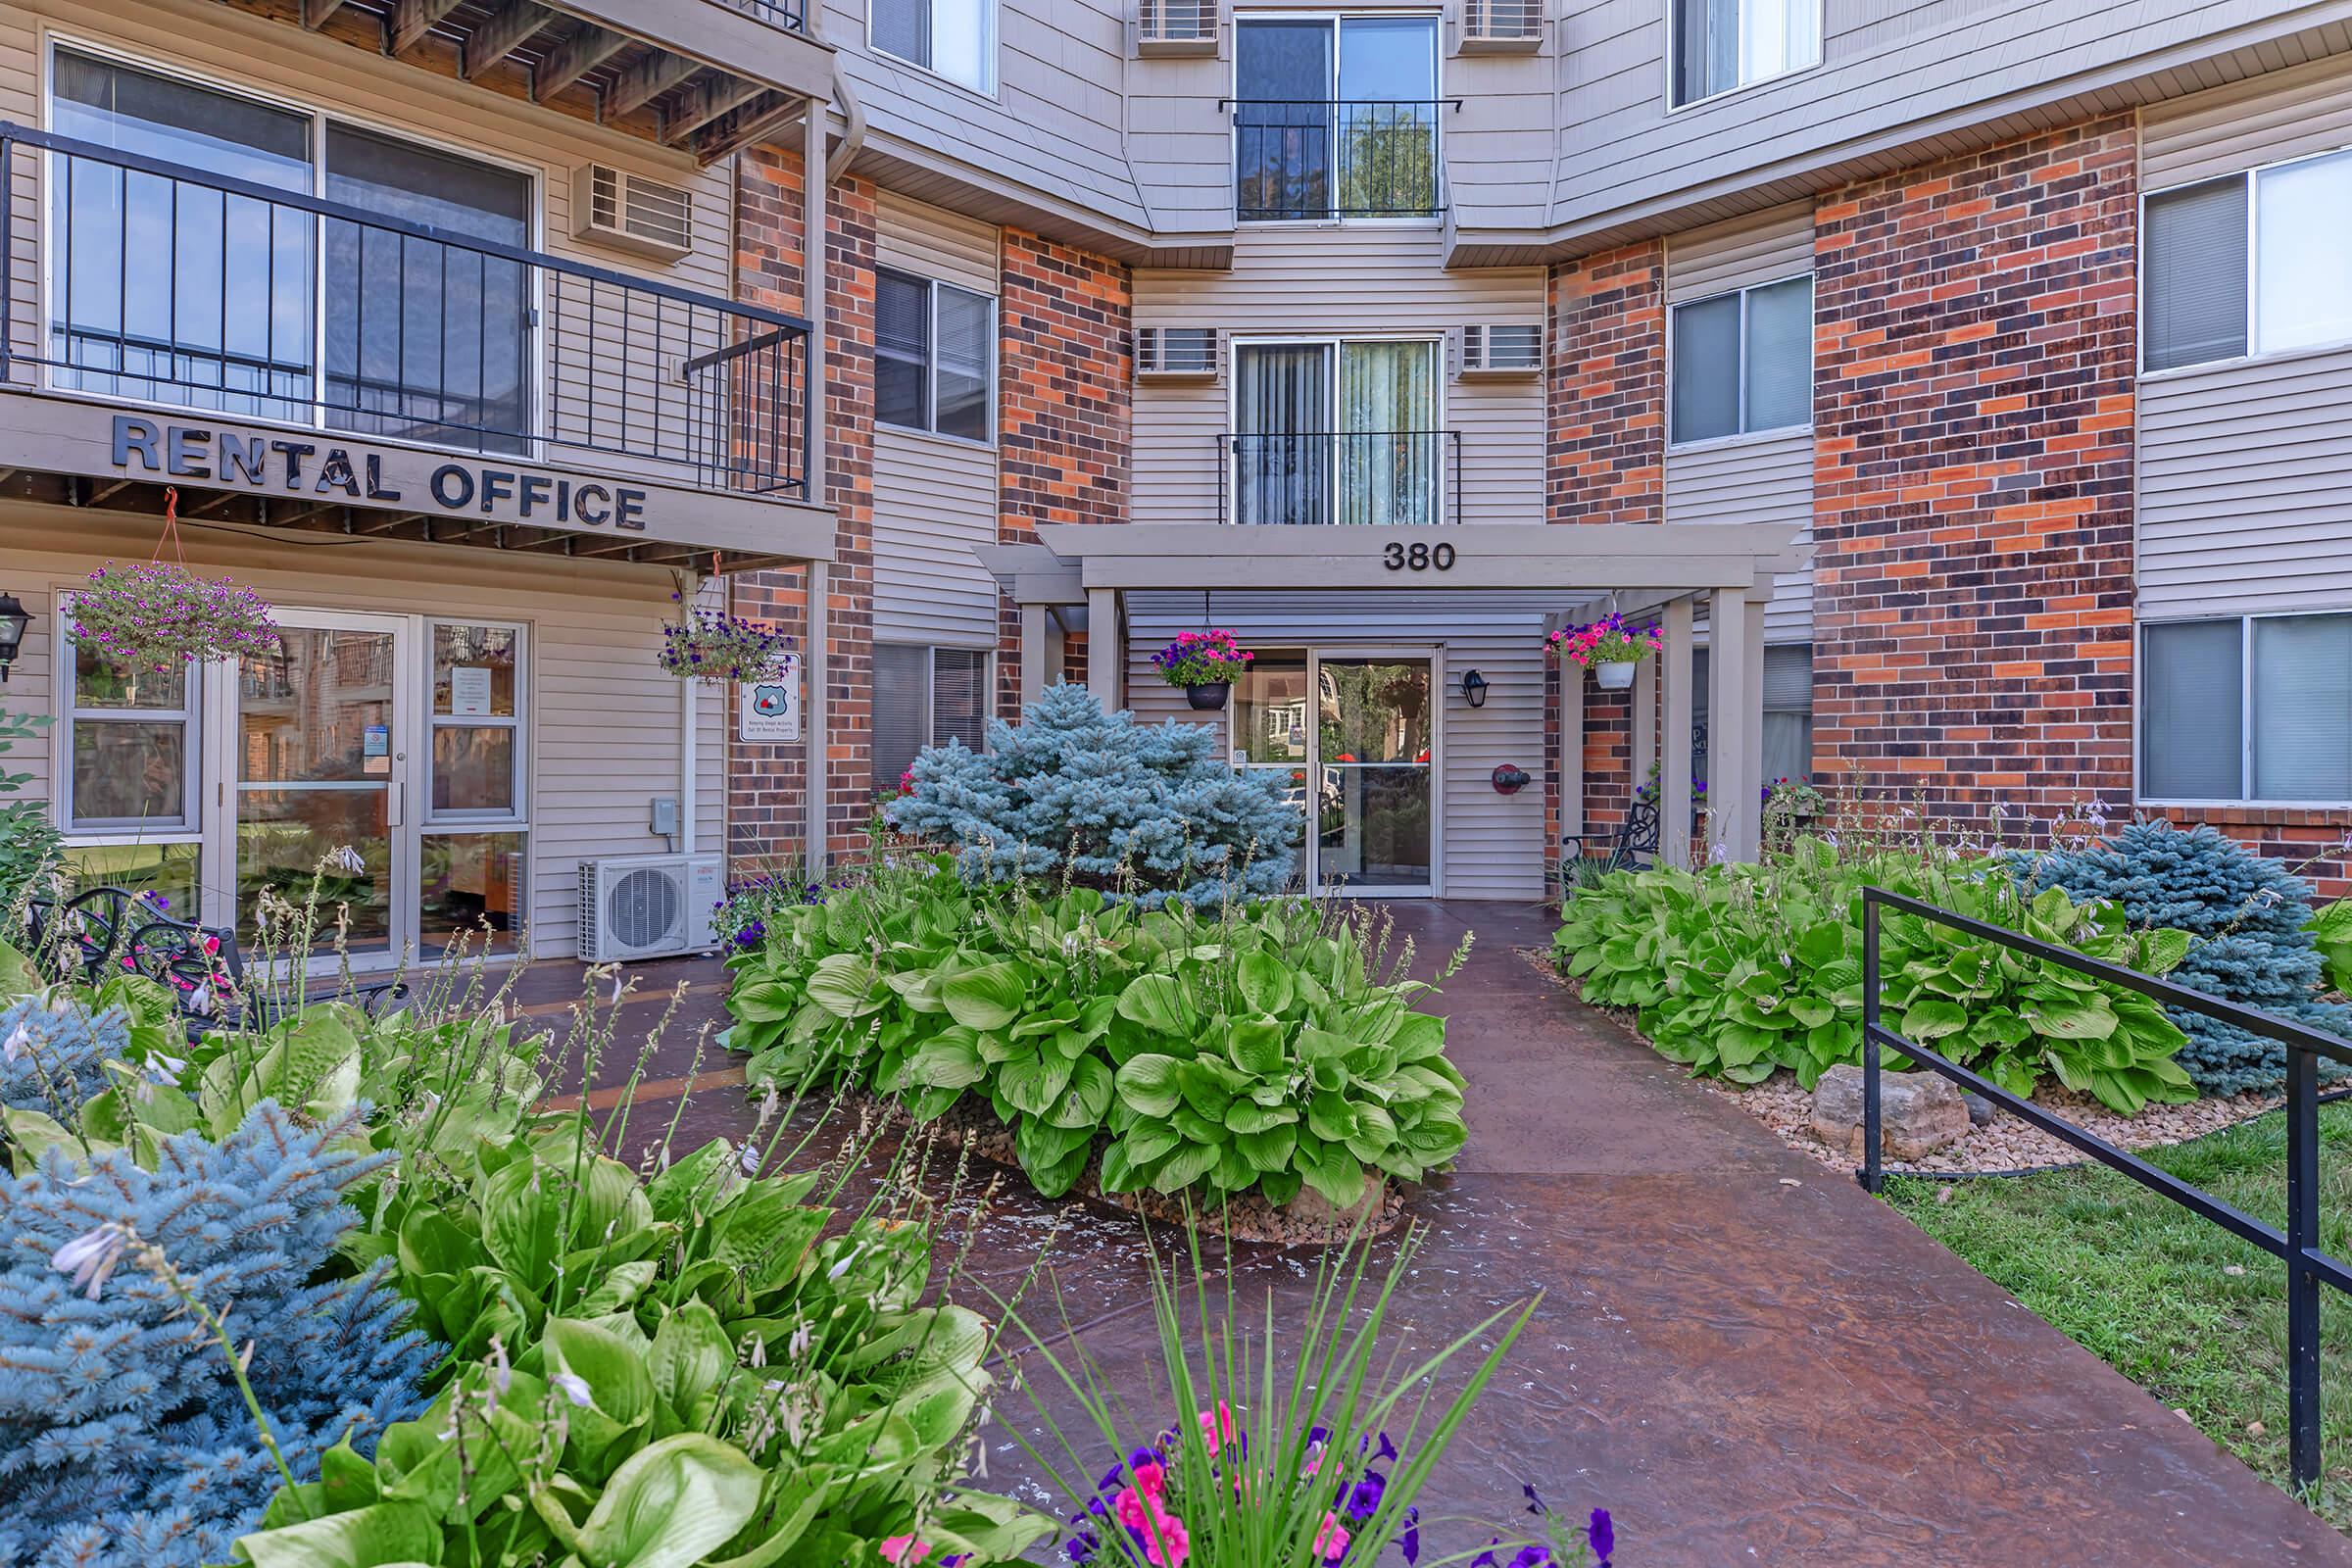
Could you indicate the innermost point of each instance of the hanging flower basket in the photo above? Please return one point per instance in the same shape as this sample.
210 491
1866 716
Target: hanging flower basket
158 617
712 645
1608 647
1205 663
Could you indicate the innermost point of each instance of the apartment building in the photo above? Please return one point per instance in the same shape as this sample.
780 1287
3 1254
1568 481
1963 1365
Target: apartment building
1968 383
422 319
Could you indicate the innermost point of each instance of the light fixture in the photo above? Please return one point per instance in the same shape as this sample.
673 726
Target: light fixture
14 618
1474 688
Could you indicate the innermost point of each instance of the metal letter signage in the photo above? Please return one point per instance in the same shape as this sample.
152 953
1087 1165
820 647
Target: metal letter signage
769 711
1417 556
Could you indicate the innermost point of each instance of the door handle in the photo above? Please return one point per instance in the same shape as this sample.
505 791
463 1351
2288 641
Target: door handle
396 804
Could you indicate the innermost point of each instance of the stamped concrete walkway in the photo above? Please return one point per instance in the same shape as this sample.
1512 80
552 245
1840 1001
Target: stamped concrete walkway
1743 1357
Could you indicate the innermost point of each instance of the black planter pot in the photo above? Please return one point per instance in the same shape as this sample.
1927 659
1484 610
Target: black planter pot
1209 696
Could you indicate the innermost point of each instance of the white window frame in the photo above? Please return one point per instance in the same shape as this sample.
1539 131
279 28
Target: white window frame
1336 342
930 704
1674 45
988 50
189 827
1436 81
514 819
931 290
321 118
2250 177
1738 372
2245 798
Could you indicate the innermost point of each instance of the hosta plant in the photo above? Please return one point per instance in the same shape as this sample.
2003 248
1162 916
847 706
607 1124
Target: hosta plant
1737 970
1260 1049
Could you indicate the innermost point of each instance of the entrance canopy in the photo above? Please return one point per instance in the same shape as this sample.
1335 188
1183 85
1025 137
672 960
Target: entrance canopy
1659 572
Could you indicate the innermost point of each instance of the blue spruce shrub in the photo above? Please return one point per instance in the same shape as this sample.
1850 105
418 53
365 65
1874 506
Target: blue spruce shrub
1110 798
53 1054
2249 916
124 1441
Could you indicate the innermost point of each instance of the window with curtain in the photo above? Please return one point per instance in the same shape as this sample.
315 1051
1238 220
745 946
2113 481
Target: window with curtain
1338 431
952 38
1336 117
2247 708
1723 44
925 696
934 357
1743 361
2258 262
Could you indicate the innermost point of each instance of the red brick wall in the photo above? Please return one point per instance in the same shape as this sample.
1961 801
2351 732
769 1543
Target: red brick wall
1065 372
1973 477
1607 391
766 814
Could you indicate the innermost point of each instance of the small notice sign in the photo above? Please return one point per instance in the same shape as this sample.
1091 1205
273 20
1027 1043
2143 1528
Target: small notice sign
376 748
769 710
469 691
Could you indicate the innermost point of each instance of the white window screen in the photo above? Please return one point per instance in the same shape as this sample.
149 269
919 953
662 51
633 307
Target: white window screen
1779 357
966 346
2302 691
1706 375
901 350
1743 361
2192 696
2303 245
902 27
2195 277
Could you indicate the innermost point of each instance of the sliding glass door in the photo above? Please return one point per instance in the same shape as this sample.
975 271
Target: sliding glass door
1337 433
1336 117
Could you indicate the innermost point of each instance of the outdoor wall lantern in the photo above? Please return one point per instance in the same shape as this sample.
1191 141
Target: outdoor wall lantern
13 620
1474 688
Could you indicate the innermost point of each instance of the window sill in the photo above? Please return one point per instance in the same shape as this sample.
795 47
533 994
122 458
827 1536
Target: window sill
1746 438
2246 807
959 443
1673 108
2240 362
986 96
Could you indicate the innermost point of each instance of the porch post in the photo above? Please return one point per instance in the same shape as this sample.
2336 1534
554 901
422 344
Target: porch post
814 676
1674 774
1734 721
1572 751
1034 619
1644 716
1106 649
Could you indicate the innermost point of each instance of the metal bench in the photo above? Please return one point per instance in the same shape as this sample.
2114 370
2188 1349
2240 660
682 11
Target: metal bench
1631 843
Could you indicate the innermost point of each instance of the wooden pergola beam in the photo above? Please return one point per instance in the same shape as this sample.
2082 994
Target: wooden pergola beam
499 34
584 49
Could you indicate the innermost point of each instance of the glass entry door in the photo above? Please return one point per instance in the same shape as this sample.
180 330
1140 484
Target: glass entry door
1375 767
318 773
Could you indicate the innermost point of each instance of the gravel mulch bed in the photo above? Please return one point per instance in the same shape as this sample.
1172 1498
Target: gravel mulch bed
2004 1144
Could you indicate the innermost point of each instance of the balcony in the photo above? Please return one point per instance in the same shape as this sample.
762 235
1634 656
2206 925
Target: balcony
1324 161
708 76
1395 479
444 386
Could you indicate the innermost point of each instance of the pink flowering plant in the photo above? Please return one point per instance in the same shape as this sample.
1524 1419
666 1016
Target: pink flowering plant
156 617
1202 659
713 645
1322 1463
1608 641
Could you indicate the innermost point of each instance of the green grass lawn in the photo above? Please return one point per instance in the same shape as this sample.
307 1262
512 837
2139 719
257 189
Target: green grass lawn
2147 1286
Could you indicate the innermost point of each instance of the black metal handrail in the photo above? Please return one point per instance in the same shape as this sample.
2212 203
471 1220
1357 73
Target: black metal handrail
790 15
2308 1265
1338 476
1329 157
174 285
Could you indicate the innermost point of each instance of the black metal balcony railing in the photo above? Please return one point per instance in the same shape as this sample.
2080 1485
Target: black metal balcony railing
1306 160
1395 478
172 285
790 15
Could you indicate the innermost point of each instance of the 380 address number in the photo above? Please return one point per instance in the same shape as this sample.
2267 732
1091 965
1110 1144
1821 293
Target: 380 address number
1418 558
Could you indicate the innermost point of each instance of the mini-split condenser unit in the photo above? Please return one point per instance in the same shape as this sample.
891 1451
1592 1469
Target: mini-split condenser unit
649 906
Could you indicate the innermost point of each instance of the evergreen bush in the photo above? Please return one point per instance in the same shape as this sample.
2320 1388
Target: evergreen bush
1151 811
53 1054
2250 918
123 1439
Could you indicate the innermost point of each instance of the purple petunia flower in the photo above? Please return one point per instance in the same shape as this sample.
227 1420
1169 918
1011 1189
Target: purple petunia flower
1602 1535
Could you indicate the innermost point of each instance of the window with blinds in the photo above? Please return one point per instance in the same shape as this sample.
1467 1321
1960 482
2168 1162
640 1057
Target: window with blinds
925 696
2257 709
934 357
1742 362
1788 711
2258 262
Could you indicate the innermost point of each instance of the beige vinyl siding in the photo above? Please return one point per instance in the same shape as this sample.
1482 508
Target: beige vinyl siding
1340 281
1491 845
1766 478
605 722
585 391
934 497
2245 467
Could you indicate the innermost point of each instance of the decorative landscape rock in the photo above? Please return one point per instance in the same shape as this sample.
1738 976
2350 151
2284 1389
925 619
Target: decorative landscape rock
1980 1111
1920 1111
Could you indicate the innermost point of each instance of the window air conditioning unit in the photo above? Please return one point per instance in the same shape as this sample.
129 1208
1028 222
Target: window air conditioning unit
1176 26
1176 353
1501 350
631 212
1502 26
649 906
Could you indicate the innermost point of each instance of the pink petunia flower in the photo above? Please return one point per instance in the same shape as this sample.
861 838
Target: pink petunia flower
905 1551
1216 1428
1330 1541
